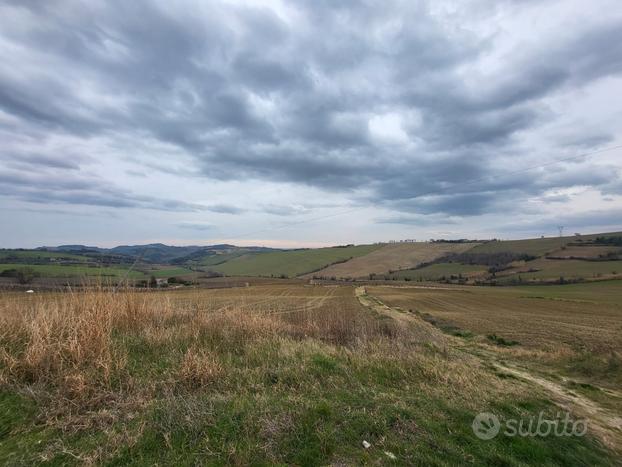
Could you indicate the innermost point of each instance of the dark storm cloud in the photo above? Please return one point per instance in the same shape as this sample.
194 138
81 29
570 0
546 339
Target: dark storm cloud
248 94
66 189
464 204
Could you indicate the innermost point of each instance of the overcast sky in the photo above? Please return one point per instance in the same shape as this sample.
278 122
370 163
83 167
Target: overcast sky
306 123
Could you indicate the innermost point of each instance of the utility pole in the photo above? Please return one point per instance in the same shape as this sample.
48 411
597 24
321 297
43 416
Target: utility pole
561 235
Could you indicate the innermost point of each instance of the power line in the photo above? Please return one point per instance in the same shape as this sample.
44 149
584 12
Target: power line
432 192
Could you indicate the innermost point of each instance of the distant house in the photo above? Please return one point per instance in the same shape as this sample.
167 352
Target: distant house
162 282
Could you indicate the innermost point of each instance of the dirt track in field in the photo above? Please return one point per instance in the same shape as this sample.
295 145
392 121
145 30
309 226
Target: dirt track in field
603 423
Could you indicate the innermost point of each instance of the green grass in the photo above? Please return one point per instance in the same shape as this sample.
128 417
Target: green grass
534 246
213 260
277 397
168 272
39 255
57 270
437 271
307 406
569 269
290 263
605 291
330 427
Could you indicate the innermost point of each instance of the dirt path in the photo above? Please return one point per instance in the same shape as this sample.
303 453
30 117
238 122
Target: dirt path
607 426
381 308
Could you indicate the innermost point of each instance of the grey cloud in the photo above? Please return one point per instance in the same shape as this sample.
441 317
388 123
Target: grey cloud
38 161
421 220
249 95
609 219
557 198
225 209
64 189
136 173
284 210
466 204
196 226
588 140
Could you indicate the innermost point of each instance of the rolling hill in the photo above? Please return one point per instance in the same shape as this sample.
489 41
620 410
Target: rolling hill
290 263
539 260
391 257
536 246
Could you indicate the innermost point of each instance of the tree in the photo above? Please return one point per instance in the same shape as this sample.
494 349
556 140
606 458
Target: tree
25 275
153 282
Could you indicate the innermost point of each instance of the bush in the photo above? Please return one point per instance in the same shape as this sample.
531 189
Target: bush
26 275
501 341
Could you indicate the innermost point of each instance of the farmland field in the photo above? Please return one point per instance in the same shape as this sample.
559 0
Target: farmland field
534 246
391 257
39 255
438 271
568 269
57 270
213 260
290 263
557 324
592 251
267 374
165 272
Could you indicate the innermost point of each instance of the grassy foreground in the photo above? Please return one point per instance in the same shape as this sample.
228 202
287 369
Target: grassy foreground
262 375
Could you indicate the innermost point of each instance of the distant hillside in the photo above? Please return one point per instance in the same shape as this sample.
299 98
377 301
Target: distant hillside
536 246
539 260
536 261
391 257
290 263
154 252
70 248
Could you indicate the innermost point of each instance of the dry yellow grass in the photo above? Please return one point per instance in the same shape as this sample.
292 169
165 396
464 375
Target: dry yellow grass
199 368
67 340
75 345
537 322
281 374
391 257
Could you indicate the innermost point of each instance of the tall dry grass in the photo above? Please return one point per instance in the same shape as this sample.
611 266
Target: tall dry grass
67 339
74 341
96 359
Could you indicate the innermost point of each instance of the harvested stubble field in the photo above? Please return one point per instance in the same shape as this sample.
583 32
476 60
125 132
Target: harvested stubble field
288 374
574 328
391 257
